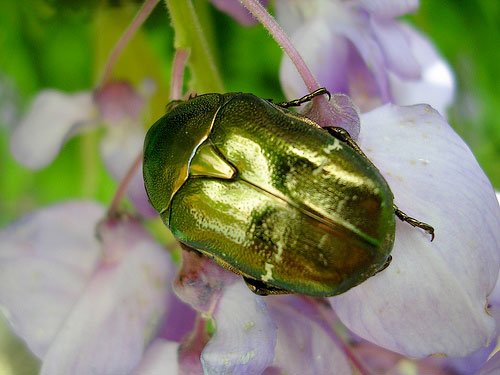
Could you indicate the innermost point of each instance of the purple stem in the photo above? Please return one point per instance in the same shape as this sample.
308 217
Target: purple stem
122 188
177 79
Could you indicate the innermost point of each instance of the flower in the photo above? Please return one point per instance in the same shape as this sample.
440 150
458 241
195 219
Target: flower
433 294
106 304
357 48
83 304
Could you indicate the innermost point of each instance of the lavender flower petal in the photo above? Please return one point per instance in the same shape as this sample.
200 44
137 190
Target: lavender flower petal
492 367
245 335
46 259
52 118
437 83
432 297
109 326
303 345
389 8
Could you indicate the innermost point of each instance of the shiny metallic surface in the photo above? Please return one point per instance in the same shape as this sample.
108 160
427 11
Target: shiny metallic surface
305 213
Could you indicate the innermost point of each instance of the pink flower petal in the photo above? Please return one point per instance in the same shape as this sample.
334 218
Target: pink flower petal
46 259
117 102
303 345
159 358
108 327
432 298
52 118
200 282
389 8
191 348
245 335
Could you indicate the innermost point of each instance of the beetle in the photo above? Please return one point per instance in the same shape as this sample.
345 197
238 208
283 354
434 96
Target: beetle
269 194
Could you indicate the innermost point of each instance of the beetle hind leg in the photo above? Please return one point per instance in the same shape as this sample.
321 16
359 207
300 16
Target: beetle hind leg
306 98
414 222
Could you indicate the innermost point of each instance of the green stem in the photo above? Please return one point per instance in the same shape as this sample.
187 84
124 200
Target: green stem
189 35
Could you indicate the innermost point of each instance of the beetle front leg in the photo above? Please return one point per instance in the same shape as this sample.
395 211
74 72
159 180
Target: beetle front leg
414 222
305 98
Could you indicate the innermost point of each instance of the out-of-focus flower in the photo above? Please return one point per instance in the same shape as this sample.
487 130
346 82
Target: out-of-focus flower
54 117
84 305
356 47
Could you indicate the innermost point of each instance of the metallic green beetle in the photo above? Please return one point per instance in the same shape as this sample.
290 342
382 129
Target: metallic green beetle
270 195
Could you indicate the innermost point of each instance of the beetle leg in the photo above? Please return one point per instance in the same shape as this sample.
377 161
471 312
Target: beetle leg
262 289
305 98
414 222
342 135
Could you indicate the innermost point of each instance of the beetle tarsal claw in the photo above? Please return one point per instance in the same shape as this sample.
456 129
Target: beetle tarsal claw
306 98
414 222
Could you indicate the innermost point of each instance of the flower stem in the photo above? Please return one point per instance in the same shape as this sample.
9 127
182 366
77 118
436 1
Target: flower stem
122 187
189 35
138 20
279 35
178 67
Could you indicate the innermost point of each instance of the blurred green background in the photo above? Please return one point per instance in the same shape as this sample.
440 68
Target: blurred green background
64 45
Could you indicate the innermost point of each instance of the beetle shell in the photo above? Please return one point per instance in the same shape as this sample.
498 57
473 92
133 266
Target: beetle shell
268 194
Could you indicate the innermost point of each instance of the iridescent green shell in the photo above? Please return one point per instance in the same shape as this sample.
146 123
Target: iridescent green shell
268 194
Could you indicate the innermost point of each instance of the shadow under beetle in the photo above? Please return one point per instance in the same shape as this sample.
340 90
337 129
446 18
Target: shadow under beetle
270 195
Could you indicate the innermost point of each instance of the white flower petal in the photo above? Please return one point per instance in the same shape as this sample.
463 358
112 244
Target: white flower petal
389 8
52 118
437 83
396 47
303 345
432 298
160 358
46 259
109 326
245 334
